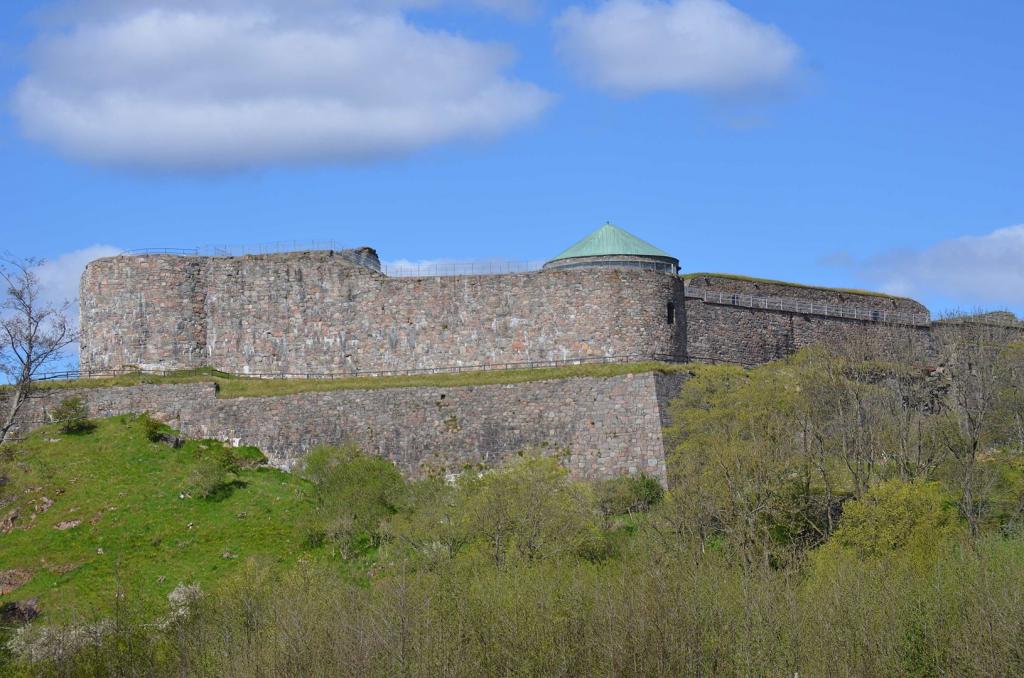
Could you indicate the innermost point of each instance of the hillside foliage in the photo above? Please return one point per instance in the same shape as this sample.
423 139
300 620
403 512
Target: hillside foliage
827 515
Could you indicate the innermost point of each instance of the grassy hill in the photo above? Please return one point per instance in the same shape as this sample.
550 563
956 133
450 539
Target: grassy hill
111 507
825 517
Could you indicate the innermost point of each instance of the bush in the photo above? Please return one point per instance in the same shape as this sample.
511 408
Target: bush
354 493
73 416
896 521
629 494
530 511
214 462
207 476
247 457
153 429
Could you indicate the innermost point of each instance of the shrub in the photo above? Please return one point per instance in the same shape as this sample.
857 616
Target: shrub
246 457
73 416
429 527
629 494
911 521
153 429
213 463
354 493
530 511
207 476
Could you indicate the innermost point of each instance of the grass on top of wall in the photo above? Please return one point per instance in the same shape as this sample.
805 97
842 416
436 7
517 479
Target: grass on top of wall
230 386
768 281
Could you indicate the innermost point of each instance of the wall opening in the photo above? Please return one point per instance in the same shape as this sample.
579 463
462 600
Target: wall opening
671 314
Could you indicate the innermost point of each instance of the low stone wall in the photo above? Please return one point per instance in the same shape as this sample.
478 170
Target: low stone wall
601 427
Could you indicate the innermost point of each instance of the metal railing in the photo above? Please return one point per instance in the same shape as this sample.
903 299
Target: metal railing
225 250
68 375
809 307
394 269
403 269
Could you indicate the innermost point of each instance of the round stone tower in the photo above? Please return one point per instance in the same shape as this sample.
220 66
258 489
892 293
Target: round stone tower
612 247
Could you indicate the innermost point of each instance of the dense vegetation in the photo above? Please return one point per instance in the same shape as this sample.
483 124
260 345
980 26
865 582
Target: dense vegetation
827 515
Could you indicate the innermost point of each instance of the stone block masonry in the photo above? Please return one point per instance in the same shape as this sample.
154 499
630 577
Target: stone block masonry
320 313
600 427
324 313
753 336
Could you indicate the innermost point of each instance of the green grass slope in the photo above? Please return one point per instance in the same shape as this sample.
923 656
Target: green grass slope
122 516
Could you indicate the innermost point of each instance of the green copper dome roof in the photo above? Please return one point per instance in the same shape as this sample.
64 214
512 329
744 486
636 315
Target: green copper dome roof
610 240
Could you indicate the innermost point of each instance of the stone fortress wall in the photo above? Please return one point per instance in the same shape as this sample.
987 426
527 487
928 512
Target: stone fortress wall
601 427
324 312
320 313
751 322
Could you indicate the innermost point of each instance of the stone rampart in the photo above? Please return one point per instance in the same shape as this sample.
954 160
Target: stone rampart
323 313
318 313
733 333
823 295
601 427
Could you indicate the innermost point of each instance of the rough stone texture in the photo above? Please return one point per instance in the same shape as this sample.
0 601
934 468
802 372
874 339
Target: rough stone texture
602 427
752 336
317 312
822 295
148 313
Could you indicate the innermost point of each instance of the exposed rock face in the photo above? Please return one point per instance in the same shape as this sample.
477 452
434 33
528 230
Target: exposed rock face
7 522
19 611
11 580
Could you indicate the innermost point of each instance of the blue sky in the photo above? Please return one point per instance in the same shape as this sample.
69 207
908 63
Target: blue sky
868 144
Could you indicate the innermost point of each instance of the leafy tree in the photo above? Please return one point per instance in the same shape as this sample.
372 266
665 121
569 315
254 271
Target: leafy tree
986 373
354 493
530 510
735 458
73 416
895 516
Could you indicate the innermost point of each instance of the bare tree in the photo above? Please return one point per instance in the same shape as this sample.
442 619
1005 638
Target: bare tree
33 333
978 353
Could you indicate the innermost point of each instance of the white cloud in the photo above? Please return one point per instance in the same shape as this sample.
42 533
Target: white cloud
92 9
707 46
984 269
58 283
59 278
225 85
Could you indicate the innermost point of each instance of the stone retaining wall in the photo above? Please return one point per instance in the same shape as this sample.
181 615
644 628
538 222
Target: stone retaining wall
602 427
